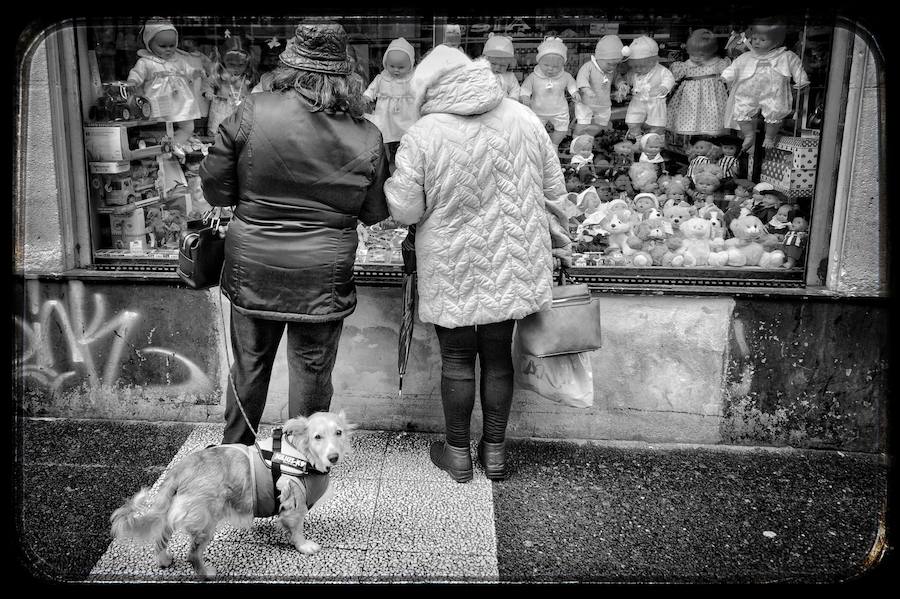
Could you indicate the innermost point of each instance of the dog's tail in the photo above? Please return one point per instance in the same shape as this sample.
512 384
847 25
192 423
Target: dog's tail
143 517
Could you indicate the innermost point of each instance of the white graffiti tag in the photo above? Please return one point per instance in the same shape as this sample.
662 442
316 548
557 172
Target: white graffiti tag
83 340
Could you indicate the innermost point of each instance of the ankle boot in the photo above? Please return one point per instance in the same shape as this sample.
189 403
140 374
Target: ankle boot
456 461
493 457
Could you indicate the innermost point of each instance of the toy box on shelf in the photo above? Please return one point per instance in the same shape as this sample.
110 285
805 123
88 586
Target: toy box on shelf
125 140
791 165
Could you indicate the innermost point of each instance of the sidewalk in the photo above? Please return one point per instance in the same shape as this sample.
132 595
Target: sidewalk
570 512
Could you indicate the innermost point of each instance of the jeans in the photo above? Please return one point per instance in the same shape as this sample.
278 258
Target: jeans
311 352
491 344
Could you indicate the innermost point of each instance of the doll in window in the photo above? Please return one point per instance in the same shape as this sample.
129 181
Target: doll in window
164 77
233 76
649 83
760 82
698 103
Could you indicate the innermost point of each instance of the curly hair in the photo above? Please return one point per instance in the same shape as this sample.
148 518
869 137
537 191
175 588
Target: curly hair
340 93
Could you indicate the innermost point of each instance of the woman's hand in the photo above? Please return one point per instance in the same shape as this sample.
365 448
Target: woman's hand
562 257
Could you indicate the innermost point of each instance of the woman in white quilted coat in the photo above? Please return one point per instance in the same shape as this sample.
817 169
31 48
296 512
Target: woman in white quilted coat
477 174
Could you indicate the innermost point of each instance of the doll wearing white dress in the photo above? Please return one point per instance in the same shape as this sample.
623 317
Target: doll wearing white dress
760 82
395 109
165 78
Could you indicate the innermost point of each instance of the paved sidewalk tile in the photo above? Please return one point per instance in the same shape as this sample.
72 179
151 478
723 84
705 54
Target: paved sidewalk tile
393 517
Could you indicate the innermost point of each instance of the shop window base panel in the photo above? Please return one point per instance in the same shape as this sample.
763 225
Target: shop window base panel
657 276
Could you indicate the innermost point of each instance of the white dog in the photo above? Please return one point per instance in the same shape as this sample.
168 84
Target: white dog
235 483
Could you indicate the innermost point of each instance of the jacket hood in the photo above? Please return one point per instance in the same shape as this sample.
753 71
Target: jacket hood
448 81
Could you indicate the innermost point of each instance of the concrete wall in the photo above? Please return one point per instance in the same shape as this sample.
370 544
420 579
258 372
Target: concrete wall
672 369
41 248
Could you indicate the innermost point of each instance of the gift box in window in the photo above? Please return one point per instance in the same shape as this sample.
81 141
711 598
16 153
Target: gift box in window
795 152
791 166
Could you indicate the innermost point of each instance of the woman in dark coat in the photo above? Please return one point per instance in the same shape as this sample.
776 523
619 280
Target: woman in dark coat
301 167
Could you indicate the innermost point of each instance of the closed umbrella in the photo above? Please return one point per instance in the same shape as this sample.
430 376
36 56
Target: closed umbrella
408 250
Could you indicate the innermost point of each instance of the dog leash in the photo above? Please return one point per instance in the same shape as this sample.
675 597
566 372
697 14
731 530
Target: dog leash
275 458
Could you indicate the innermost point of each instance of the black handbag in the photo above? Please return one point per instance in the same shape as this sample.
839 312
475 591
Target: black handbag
202 252
570 326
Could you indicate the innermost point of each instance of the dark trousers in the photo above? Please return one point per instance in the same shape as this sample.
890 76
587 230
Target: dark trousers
311 352
491 344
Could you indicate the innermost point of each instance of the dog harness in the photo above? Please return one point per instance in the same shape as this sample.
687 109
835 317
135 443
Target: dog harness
270 460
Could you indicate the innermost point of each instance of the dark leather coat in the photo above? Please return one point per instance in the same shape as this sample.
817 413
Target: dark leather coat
299 181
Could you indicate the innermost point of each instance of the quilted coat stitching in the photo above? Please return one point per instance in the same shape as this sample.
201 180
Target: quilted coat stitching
483 242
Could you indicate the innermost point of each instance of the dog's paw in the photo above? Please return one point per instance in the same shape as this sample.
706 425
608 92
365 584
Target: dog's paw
308 547
164 559
207 572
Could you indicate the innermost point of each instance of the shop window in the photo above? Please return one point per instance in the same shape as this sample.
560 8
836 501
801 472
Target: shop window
647 255
142 179
144 190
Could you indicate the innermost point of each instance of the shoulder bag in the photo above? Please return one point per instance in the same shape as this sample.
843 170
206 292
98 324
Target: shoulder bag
202 251
570 326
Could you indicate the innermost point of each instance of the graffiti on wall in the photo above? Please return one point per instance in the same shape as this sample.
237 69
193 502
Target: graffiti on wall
62 344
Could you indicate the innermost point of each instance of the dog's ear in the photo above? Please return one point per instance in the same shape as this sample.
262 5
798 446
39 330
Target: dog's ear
296 426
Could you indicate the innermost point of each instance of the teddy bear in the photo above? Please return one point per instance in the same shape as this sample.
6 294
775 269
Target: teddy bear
656 238
752 245
619 227
698 245
677 215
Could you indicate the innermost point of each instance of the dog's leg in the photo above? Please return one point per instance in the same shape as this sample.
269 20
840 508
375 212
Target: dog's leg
293 512
163 556
200 540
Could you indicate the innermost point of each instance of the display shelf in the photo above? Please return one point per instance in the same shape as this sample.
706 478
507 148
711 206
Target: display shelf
125 124
132 206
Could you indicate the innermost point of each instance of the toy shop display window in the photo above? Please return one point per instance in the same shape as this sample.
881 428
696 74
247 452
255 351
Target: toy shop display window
143 192
142 151
772 179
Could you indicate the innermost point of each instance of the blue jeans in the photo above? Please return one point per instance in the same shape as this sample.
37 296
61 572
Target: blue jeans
491 344
311 352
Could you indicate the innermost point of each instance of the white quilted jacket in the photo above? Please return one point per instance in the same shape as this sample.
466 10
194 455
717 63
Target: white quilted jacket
473 173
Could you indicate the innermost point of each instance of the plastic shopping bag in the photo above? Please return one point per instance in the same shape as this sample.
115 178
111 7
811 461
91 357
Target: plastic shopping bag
566 379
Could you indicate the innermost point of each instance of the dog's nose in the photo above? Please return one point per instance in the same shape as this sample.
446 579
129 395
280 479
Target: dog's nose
333 458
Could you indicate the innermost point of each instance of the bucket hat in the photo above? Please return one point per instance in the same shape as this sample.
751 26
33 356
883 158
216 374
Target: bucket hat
319 47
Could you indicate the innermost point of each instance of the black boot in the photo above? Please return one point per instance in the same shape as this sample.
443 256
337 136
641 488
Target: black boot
456 461
493 457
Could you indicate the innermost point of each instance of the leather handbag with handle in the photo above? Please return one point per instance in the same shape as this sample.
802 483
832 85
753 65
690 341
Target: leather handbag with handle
570 326
202 252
